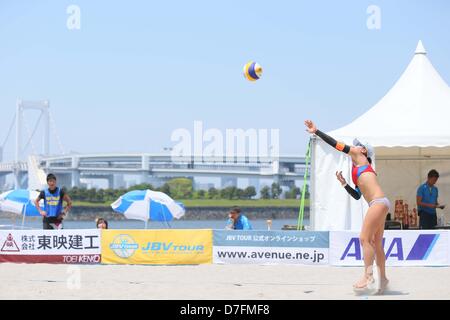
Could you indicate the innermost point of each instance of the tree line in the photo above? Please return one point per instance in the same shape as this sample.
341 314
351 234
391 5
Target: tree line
182 188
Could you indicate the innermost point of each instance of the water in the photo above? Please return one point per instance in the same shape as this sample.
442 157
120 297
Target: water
277 224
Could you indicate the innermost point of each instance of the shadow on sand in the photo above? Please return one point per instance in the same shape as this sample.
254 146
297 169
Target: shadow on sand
395 293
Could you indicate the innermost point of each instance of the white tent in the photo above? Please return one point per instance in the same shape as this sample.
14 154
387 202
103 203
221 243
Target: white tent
410 130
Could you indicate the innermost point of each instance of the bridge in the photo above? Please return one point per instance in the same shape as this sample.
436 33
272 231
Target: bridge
156 169
72 169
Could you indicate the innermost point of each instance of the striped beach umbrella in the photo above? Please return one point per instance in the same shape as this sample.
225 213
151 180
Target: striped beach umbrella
20 202
148 205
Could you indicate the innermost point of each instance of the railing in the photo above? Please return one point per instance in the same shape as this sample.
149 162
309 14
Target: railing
153 163
15 227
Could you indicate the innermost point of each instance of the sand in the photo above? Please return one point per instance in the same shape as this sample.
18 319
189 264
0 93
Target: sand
41 281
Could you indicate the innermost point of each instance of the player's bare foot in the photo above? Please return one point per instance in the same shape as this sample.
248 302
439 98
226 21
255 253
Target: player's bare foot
383 286
365 285
364 282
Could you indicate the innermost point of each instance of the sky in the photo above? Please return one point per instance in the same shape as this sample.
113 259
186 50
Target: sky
136 71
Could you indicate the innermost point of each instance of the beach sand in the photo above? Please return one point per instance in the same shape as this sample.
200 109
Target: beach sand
211 282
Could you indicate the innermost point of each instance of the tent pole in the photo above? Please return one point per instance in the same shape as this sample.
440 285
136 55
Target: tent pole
305 177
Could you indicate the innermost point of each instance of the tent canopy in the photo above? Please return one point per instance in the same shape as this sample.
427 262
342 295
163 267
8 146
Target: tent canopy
414 113
410 130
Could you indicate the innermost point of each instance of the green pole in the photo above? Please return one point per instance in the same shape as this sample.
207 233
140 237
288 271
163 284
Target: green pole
302 201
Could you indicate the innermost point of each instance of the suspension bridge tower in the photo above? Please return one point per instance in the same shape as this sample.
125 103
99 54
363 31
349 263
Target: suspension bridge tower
44 108
44 119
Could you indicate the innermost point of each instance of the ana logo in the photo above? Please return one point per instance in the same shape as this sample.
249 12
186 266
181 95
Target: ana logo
10 245
124 246
420 251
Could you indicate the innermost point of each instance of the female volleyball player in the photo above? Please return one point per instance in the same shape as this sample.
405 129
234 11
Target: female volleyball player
366 184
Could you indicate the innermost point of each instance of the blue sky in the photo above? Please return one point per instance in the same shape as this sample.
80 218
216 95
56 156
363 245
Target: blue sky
137 70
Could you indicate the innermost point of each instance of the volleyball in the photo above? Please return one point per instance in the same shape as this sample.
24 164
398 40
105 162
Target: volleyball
252 71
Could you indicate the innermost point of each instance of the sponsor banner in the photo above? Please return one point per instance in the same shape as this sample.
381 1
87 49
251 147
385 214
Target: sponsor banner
50 246
157 247
271 247
402 248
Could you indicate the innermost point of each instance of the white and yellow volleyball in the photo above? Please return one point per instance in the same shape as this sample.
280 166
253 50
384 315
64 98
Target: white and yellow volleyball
252 71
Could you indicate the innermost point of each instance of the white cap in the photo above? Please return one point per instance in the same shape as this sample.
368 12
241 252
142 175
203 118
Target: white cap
366 145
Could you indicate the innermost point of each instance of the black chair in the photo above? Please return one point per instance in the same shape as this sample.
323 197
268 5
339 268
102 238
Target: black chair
392 225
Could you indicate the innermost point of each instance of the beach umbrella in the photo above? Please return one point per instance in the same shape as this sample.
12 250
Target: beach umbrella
148 205
20 202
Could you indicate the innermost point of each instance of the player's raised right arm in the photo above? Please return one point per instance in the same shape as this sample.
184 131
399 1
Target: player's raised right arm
341 146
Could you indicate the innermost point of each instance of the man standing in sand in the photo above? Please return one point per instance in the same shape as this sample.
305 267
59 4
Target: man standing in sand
53 213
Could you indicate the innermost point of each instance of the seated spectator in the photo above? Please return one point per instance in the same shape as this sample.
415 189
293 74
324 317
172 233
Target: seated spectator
102 223
237 221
